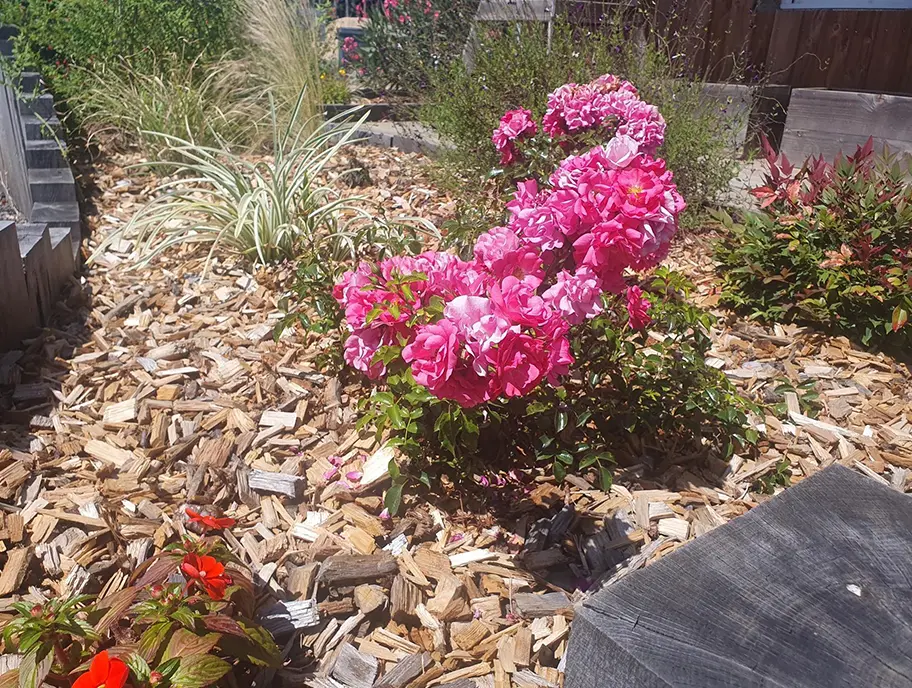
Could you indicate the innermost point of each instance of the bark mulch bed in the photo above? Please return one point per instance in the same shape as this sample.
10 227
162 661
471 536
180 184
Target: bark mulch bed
156 389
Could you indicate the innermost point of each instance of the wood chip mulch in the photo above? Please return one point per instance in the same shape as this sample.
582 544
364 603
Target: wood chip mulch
156 389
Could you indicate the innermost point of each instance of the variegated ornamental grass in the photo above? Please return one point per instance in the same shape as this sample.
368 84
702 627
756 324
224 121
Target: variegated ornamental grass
266 210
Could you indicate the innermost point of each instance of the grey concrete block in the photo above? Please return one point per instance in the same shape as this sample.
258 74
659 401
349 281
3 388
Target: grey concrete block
17 317
44 154
35 248
41 105
40 129
57 214
54 185
29 82
809 590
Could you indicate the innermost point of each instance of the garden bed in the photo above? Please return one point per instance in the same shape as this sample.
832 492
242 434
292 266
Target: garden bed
156 389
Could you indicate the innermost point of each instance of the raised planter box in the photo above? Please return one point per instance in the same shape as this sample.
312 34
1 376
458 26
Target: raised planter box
396 112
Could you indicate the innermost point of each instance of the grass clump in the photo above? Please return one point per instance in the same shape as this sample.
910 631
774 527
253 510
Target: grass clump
266 210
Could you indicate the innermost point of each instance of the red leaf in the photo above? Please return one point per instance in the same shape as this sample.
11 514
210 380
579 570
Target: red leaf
117 605
185 643
156 570
223 624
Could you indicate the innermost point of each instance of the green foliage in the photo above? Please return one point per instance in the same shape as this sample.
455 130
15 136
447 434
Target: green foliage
513 68
334 86
626 385
781 476
57 35
407 41
266 210
832 246
209 104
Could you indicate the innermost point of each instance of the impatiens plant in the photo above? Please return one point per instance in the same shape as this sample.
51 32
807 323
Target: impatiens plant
505 324
183 622
831 245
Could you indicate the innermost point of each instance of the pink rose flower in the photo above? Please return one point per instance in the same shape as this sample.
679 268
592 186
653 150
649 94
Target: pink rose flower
576 297
433 354
360 348
522 363
638 308
517 301
514 126
478 326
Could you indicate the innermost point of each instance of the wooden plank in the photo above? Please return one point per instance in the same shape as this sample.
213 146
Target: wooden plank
354 568
35 248
16 318
824 123
783 47
839 542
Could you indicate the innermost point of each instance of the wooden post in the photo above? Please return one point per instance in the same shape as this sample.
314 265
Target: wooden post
16 317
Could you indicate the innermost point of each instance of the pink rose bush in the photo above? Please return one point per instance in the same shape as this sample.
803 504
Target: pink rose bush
499 325
577 113
515 125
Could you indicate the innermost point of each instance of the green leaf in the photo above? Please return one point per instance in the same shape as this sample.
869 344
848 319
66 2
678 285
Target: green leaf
151 640
199 671
900 318
138 666
393 498
560 421
560 471
425 479
35 667
184 643
394 469
606 477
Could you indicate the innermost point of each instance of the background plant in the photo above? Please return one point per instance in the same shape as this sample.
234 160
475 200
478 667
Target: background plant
832 245
407 41
283 54
513 68
209 104
56 35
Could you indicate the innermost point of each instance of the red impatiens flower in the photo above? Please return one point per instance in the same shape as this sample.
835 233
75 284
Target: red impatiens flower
206 572
104 672
209 521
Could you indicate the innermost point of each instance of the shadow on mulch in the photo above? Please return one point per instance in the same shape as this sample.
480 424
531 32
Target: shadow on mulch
32 374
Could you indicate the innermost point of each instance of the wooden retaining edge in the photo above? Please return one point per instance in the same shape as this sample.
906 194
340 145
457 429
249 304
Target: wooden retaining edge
35 265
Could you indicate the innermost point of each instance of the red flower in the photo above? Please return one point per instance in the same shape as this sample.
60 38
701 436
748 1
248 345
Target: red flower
104 672
209 521
206 572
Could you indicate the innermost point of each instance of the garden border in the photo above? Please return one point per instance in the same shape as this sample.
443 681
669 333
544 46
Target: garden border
37 257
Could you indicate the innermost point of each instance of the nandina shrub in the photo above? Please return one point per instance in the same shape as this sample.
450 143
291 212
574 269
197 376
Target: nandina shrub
183 622
495 331
832 245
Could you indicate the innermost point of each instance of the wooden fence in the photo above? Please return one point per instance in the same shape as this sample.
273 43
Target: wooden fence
854 50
